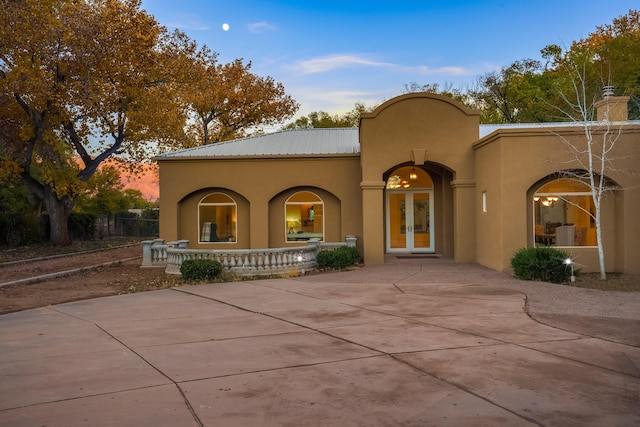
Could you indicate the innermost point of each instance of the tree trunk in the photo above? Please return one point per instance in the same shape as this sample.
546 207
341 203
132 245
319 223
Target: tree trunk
59 211
603 271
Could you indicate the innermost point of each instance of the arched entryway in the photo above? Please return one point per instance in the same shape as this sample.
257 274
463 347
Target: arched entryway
422 196
435 134
410 211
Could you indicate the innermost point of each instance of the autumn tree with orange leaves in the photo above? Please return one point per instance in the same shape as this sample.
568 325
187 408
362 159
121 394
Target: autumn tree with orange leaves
93 80
530 90
613 51
227 101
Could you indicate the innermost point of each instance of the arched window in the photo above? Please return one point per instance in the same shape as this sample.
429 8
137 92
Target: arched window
217 218
563 211
304 217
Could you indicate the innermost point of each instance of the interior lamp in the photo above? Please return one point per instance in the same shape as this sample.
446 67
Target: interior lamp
547 201
413 176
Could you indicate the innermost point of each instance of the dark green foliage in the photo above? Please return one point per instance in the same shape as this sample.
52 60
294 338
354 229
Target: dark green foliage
543 263
20 219
337 259
82 226
149 222
322 119
16 229
198 270
131 224
127 222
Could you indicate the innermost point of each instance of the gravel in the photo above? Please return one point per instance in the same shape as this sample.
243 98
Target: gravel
549 298
607 315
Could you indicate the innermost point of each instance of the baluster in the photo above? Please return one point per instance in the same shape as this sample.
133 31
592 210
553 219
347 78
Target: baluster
267 264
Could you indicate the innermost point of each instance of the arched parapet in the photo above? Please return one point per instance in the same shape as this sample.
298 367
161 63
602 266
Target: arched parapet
418 128
442 99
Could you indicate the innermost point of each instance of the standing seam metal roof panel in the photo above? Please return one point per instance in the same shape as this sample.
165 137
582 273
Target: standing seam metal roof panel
315 142
296 142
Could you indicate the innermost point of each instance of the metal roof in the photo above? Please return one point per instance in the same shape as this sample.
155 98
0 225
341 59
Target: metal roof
318 142
490 128
287 143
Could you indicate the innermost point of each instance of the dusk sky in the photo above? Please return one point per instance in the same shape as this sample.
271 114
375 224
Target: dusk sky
331 54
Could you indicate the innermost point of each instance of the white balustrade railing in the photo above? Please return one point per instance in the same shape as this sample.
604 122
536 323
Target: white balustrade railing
244 262
249 262
154 252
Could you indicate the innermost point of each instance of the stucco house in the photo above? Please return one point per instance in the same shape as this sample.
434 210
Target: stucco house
419 176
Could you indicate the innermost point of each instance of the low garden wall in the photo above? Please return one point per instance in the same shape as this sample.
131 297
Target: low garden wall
243 262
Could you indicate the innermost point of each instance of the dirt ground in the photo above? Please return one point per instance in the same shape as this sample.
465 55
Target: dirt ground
120 278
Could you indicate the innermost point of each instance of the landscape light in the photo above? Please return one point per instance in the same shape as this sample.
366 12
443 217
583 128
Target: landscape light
569 261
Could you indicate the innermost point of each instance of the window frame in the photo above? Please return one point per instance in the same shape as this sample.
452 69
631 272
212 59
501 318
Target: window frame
234 231
560 196
288 219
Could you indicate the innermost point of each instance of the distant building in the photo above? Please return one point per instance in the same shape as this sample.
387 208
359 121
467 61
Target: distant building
420 175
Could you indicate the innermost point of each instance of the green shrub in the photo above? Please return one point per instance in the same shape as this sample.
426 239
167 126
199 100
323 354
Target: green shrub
198 270
337 259
543 263
82 226
20 229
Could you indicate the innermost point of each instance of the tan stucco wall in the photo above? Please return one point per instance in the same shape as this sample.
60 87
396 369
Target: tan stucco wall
402 129
434 133
510 163
628 237
443 209
489 225
261 185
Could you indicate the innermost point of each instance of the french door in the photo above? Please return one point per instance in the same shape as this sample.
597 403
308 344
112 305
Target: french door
410 221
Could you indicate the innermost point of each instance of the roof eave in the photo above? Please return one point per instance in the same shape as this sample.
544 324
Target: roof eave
258 157
566 129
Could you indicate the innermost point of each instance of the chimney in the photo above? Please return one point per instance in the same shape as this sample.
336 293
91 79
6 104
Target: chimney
612 108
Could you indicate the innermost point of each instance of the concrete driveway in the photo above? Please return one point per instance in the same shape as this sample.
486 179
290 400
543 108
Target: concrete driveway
405 344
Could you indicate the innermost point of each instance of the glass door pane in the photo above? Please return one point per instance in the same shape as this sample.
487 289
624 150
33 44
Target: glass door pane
397 221
421 223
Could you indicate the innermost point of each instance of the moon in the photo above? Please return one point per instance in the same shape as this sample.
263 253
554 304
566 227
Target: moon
225 27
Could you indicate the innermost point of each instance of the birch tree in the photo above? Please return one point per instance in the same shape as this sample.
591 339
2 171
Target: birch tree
595 154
